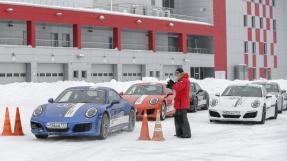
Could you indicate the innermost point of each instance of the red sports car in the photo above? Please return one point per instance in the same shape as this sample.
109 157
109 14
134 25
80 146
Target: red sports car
151 97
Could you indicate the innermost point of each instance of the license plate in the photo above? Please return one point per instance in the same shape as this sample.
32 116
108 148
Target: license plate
56 125
231 113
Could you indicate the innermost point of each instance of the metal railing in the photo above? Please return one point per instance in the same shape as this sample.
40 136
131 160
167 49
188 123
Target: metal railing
167 48
13 41
130 8
54 43
199 50
135 46
96 44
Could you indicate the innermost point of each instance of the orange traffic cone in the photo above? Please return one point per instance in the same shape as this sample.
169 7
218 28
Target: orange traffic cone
18 131
158 134
7 131
144 129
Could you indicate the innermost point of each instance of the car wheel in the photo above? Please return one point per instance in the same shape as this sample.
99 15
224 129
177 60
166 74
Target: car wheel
276 113
263 116
41 136
207 102
163 111
194 106
132 120
281 108
105 123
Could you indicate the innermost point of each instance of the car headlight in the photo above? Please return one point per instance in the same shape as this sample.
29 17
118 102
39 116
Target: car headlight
255 104
214 103
38 111
91 112
153 101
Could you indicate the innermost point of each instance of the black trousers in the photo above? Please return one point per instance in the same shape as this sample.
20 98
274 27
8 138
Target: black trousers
182 128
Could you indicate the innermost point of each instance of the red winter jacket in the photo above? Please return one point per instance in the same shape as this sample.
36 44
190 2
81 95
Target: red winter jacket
181 100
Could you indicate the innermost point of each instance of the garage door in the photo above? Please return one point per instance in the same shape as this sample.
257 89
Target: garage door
13 72
132 72
48 72
168 70
102 72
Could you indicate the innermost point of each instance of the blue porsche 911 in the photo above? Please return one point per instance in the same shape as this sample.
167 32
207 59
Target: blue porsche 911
83 111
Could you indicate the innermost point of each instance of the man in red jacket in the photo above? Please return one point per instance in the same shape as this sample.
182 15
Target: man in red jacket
181 103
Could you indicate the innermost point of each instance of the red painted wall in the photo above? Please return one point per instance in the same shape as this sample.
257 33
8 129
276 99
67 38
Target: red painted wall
220 37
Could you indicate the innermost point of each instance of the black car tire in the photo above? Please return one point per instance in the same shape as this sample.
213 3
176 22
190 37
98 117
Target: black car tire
281 108
206 106
41 136
105 124
276 113
263 116
194 105
132 120
163 111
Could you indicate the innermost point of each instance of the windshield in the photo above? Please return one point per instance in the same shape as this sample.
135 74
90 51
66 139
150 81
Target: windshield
145 90
243 91
82 96
271 88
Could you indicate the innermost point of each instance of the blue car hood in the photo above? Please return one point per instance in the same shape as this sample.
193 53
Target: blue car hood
67 110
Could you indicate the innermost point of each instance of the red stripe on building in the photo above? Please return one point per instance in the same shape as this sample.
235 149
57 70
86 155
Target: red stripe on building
261 48
271 12
254 60
256 9
220 37
267 2
275 61
249 34
257 35
268 23
246 59
265 61
250 74
249 8
272 49
274 37
265 35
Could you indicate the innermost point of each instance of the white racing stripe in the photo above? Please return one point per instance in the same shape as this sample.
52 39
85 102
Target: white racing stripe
140 100
71 112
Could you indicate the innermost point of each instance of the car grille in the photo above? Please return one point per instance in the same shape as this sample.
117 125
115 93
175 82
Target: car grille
57 130
250 115
214 114
231 116
83 127
148 111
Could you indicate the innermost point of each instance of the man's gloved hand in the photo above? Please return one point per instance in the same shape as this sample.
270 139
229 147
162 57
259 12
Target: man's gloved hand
170 83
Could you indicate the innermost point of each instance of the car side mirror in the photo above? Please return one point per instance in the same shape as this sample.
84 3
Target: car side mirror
121 93
115 102
217 94
51 100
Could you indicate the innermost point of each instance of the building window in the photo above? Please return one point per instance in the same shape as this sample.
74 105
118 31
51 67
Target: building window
54 39
157 74
246 47
66 40
151 73
254 47
260 1
76 74
253 21
273 3
84 74
261 22
274 25
153 2
245 21
265 48
168 3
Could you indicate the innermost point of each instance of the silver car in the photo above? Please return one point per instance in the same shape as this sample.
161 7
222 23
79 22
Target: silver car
274 89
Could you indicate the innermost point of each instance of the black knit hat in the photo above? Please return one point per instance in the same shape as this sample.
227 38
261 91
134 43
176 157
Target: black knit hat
179 70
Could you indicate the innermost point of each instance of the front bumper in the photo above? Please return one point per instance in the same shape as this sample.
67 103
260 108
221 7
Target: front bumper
90 128
248 115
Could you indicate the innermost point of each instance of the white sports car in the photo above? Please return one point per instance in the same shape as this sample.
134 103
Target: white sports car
248 103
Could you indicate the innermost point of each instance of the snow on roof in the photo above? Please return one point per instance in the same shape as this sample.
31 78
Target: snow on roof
97 10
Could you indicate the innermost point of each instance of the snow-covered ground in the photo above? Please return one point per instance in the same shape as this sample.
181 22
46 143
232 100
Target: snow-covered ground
210 141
